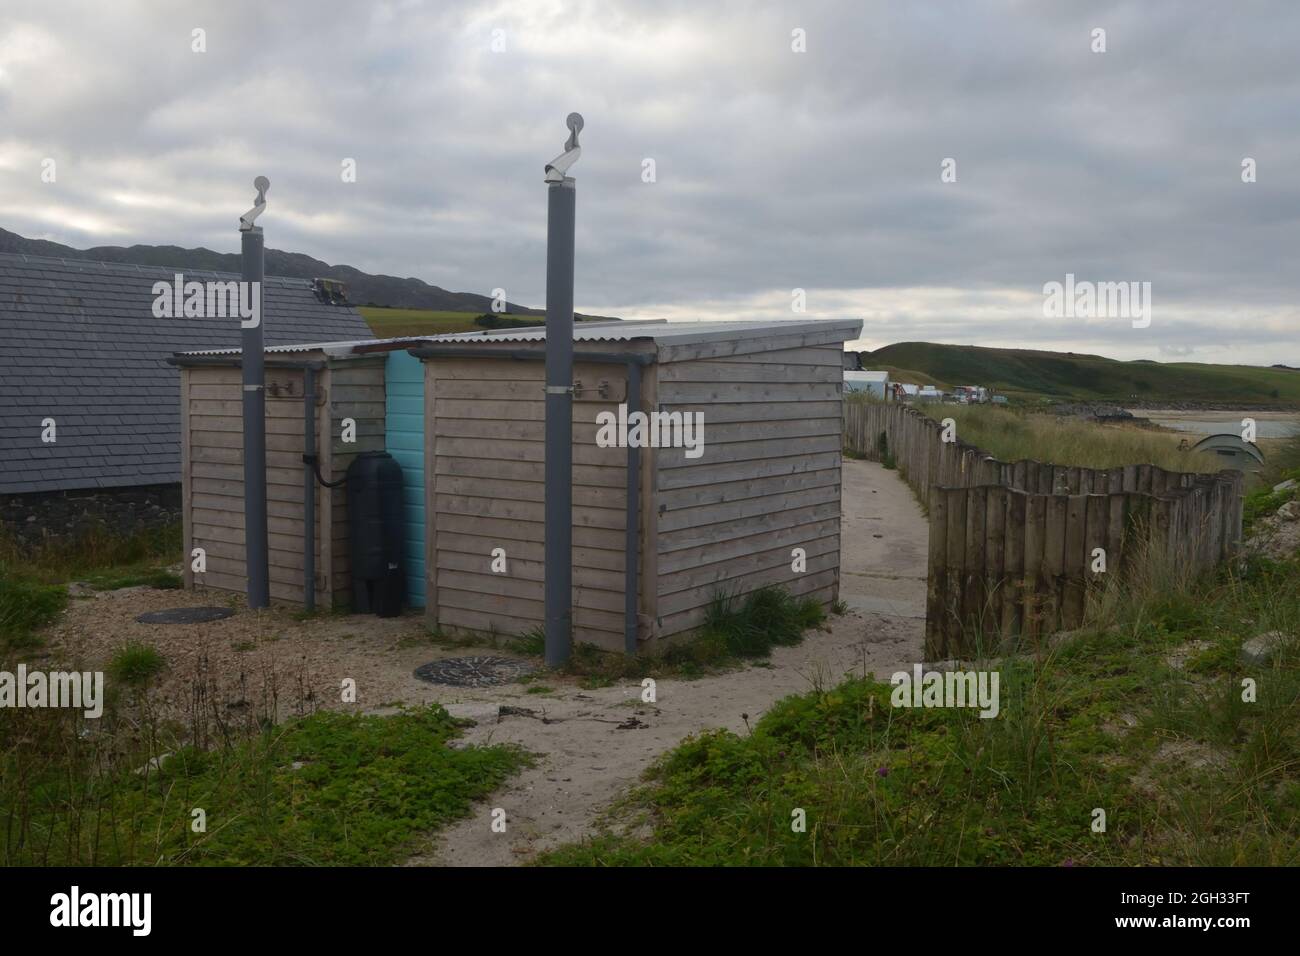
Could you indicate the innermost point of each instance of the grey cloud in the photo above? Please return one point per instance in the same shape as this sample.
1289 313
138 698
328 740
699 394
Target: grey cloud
775 170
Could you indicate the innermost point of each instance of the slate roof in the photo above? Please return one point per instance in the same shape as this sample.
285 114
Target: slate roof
79 343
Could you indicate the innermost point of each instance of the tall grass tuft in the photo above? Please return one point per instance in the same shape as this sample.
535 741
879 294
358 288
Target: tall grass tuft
764 619
1013 434
95 551
26 607
735 628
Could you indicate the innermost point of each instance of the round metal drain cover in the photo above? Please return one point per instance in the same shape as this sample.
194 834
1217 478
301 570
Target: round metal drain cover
186 615
473 671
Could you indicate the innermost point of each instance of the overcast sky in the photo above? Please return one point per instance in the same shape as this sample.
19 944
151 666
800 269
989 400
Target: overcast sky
774 169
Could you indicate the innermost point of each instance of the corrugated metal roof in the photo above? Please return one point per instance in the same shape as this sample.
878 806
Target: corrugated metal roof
673 333
340 349
655 330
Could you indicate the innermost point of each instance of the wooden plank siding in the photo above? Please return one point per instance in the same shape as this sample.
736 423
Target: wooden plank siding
212 467
213 472
485 450
768 480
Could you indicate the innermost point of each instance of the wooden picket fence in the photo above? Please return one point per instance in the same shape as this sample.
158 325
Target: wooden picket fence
1018 549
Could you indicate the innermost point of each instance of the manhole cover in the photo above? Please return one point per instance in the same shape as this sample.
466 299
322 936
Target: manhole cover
185 615
473 671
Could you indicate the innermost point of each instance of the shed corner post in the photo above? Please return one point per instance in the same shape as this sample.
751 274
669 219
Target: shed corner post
430 493
187 487
649 583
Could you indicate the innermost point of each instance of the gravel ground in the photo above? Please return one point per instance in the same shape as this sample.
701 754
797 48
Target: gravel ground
258 656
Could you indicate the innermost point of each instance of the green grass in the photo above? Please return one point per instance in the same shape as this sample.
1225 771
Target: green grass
329 789
767 618
908 376
735 629
1187 773
25 608
104 559
33 578
531 642
1283 464
145 576
1011 434
135 663
1035 375
394 323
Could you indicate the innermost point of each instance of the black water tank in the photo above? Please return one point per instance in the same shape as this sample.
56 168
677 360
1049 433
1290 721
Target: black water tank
375 533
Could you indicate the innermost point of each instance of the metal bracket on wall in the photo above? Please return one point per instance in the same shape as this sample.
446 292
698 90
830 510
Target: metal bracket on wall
282 389
601 389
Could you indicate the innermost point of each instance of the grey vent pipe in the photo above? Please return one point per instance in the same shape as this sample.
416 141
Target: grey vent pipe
252 270
561 201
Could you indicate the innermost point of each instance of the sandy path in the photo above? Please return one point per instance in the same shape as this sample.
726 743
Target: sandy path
586 759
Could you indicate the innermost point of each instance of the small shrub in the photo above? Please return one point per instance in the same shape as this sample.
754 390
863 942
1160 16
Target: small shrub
135 663
767 618
531 642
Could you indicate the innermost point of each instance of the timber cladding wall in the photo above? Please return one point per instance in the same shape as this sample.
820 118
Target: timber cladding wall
1014 546
764 487
768 480
484 462
727 521
213 472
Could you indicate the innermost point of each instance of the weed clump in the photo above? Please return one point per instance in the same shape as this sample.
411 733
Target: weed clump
135 663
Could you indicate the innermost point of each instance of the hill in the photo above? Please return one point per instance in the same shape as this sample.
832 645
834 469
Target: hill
1029 374
363 288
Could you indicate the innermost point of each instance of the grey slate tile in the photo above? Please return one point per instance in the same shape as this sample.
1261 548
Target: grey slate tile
79 341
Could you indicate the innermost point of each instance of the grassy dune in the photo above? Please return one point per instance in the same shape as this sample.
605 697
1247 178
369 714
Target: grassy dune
1028 374
1011 434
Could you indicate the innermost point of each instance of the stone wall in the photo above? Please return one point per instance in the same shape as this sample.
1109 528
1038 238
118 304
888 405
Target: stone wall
35 517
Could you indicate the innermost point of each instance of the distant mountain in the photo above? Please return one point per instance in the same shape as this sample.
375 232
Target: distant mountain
1075 376
363 288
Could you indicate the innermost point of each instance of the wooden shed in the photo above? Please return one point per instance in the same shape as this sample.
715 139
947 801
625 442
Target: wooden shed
748 495
723 518
348 383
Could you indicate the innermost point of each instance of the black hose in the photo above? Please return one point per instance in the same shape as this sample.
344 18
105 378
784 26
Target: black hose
314 461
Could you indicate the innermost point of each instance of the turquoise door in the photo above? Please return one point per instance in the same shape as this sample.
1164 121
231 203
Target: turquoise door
404 393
